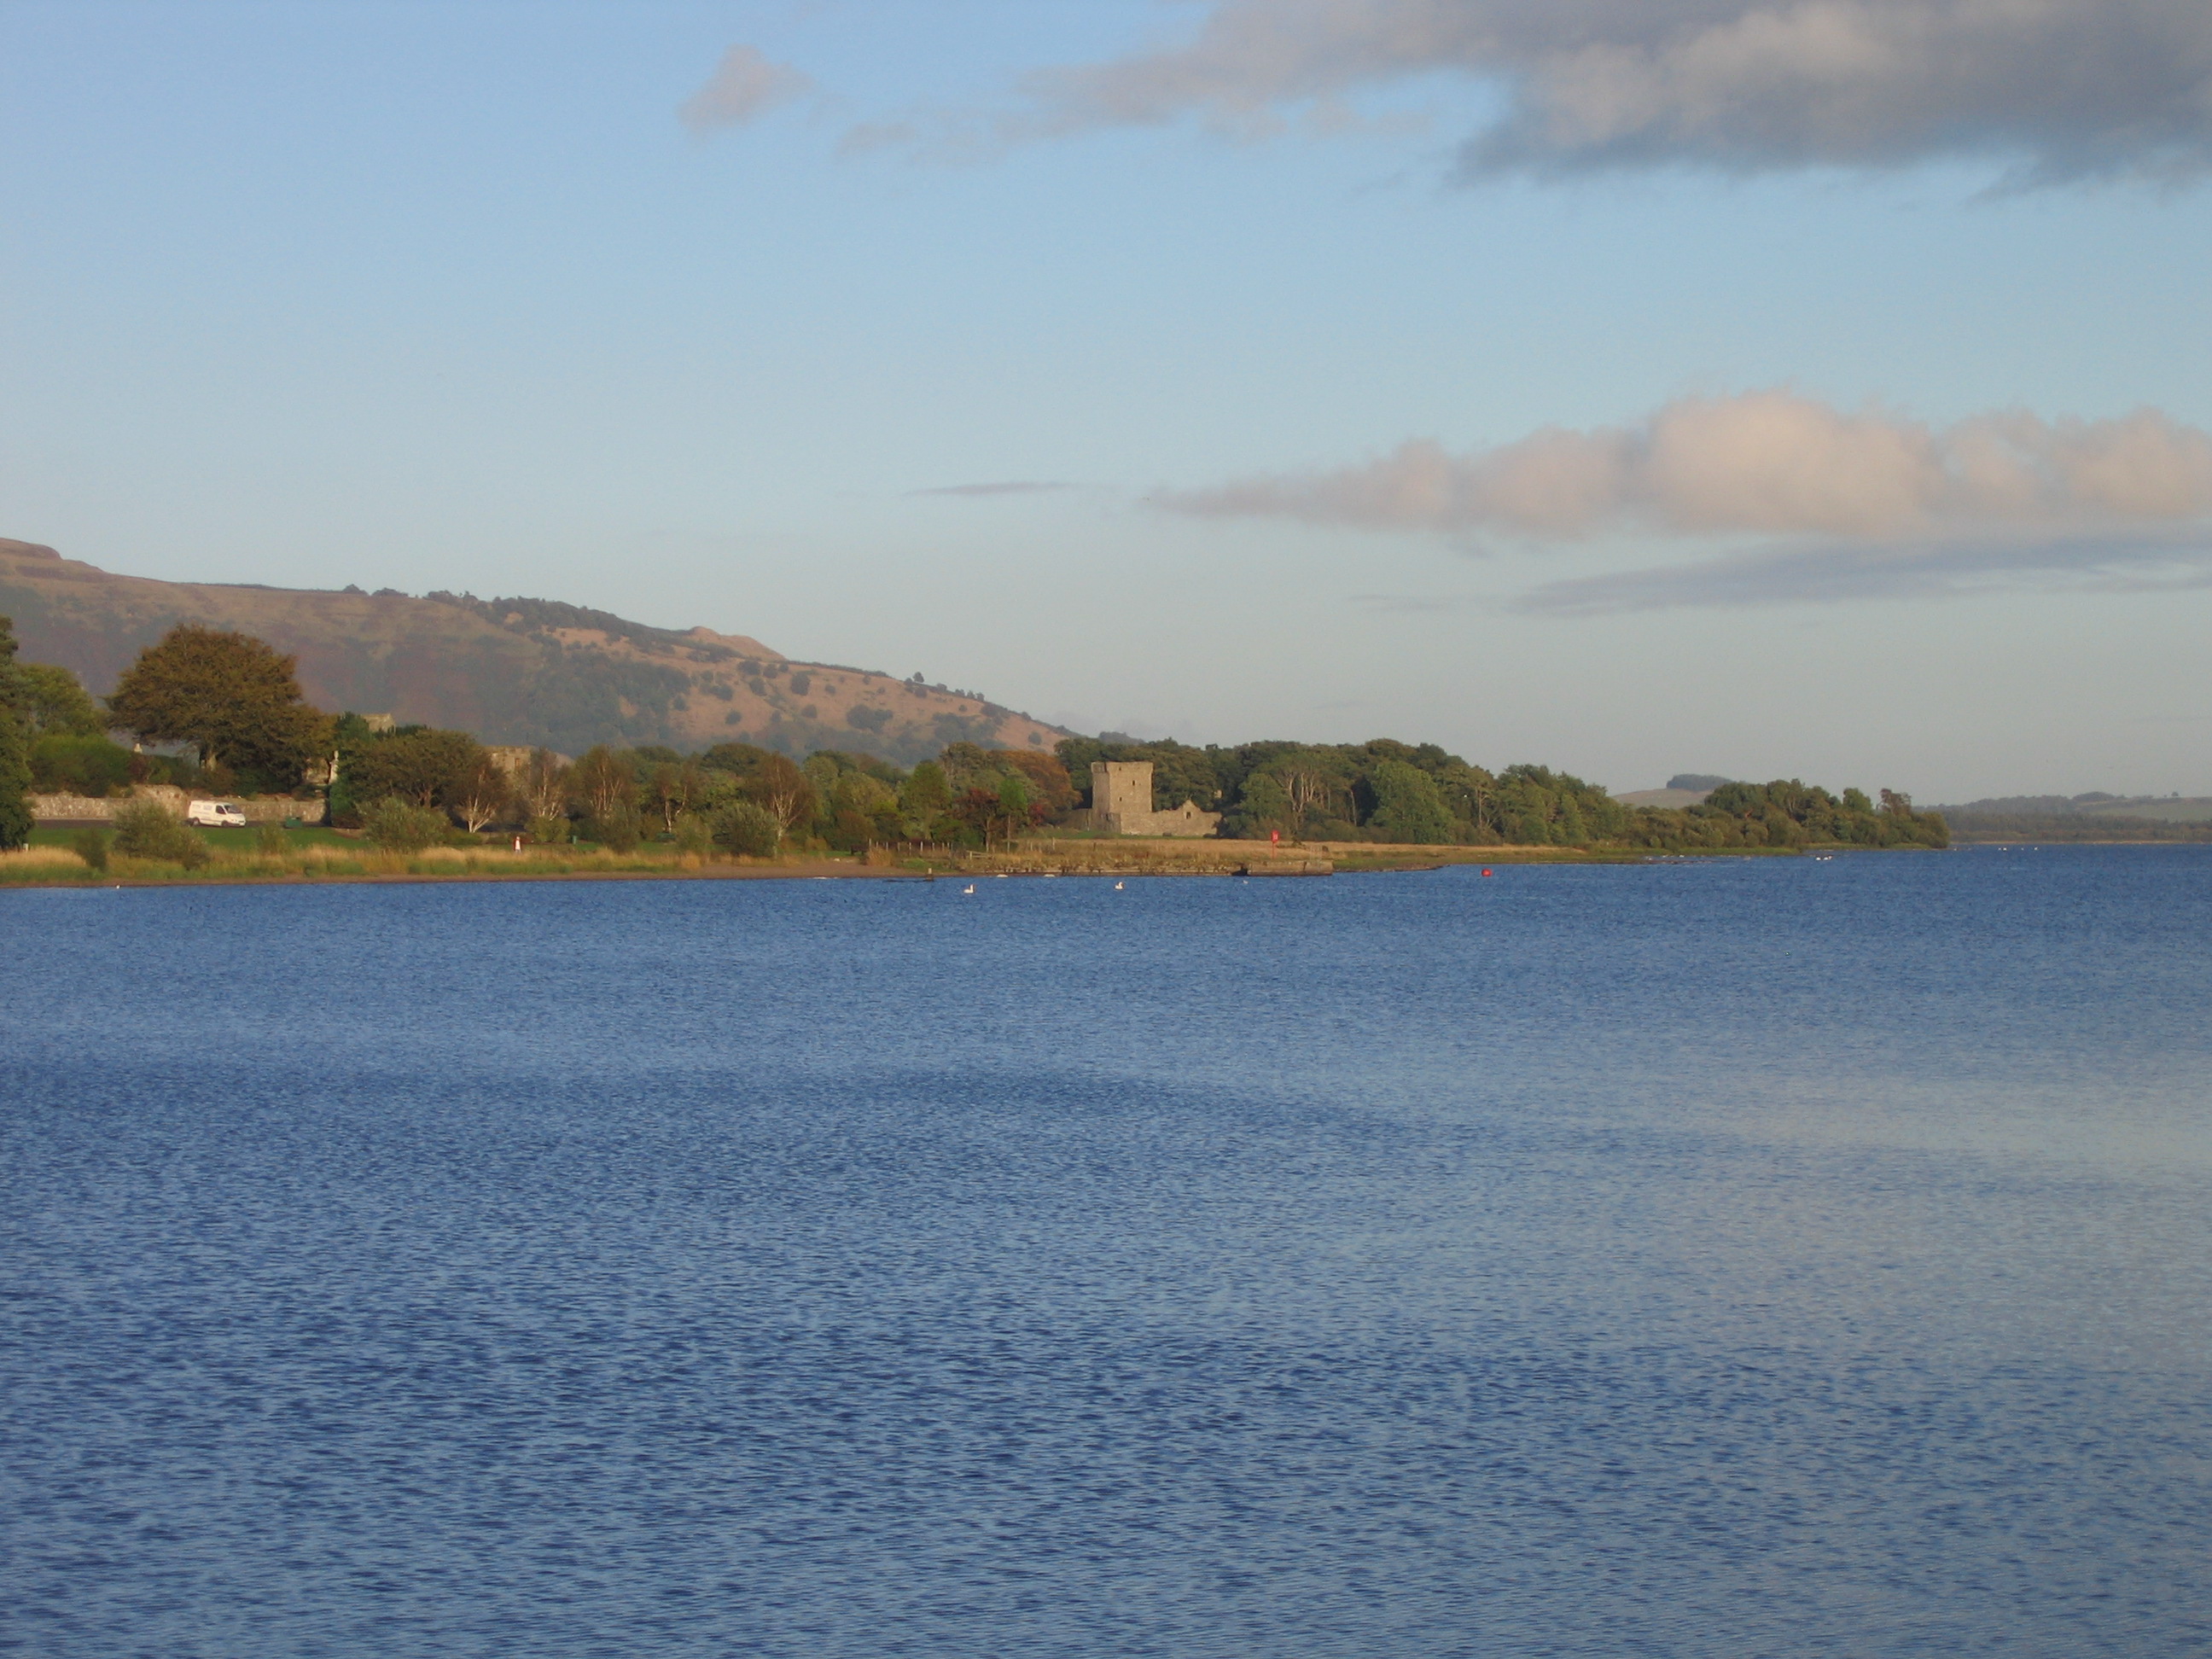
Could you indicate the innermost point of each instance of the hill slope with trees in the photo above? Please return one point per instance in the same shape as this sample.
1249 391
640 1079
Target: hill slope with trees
533 672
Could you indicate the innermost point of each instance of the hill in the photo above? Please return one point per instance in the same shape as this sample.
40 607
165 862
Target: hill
514 671
2092 818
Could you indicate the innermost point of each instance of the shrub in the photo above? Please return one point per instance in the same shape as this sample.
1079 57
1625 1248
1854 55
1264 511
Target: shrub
693 835
91 846
271 840
617 829
144 830
745 828
397 827
80 766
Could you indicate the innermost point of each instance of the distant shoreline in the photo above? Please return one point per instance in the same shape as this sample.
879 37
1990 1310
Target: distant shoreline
1091 860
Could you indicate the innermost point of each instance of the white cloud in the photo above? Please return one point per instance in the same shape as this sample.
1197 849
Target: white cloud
2061 88
745 85
1773 462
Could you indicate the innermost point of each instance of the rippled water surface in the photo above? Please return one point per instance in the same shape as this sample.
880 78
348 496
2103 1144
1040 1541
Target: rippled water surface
1732 1258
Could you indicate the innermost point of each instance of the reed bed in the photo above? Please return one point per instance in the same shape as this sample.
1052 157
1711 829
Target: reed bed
41 859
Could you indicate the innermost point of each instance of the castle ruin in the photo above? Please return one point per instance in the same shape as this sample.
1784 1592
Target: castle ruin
1121 804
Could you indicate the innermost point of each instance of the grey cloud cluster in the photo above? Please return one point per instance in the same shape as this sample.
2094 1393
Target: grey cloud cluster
745 86
2061 88
1789 575
1773 462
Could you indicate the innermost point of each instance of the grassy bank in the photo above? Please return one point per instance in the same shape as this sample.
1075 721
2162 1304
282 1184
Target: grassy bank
320 855
44 863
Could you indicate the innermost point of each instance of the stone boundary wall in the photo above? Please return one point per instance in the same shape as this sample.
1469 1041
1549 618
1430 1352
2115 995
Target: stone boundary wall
49 809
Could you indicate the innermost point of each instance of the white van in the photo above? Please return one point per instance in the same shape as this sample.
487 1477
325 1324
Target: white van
215 814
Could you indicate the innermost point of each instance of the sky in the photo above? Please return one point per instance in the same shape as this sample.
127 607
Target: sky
1760 387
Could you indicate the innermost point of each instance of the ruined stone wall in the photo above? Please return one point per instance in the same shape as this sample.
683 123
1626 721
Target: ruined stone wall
48 809
1185 820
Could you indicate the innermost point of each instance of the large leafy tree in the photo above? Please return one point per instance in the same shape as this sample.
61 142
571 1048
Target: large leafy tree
1407 807
419 766
15 756
604 781
52 703
229 694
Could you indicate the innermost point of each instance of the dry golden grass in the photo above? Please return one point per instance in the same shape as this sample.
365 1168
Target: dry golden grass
35 858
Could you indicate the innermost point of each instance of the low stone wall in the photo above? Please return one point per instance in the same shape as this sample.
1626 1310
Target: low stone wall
63 808
1185 821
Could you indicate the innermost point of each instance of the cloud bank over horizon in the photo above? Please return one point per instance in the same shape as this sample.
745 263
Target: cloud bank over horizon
1869 504
2060 89
1771 461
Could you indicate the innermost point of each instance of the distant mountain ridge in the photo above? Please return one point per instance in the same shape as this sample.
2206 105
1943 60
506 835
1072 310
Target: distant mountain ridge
2095 817
513 671
2170 809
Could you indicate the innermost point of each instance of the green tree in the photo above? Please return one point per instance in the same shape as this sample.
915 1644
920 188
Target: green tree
1407 807
229 694
16 818
144 830
747 828
478 792
602 780
68 764
1263 808
926 794
91 846
51 701
401 826
777 785
619 829
695 836
542 791
415 764
672 785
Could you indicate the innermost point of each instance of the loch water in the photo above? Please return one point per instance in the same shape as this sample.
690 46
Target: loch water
1721 1258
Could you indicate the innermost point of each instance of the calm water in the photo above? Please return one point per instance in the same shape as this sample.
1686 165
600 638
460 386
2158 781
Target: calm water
1766 1258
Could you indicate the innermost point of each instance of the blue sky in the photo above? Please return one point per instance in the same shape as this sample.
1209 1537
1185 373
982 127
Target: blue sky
1710 385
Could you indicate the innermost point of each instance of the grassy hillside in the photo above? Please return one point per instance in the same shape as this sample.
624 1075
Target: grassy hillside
512 671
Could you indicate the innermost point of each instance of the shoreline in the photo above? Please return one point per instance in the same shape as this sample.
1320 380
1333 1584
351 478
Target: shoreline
1074 859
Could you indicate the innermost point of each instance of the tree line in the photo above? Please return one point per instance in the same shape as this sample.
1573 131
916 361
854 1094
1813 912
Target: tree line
231 708
1387 791
735 796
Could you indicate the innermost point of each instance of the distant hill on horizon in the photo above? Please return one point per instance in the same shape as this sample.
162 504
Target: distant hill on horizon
2168 808
2095 817
513 671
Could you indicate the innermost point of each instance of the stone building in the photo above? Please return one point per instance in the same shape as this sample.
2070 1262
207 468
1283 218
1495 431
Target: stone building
1121 804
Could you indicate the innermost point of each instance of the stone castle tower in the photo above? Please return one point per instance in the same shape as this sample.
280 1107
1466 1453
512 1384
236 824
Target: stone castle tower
1121 804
